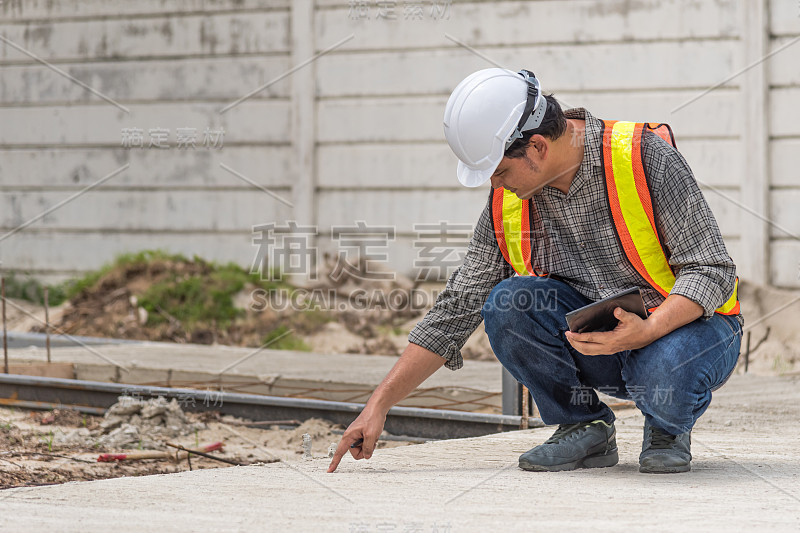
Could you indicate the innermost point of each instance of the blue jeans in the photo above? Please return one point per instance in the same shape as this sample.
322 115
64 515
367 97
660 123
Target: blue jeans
670 379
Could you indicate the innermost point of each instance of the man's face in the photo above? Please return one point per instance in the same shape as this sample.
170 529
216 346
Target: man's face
523 176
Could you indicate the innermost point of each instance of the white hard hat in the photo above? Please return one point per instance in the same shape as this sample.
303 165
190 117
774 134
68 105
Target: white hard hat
485 114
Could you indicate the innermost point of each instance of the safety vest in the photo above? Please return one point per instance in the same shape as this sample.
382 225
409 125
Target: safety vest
631 209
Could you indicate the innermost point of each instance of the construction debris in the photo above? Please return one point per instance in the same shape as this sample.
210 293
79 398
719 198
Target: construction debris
135 423
154 454
187 453
33 450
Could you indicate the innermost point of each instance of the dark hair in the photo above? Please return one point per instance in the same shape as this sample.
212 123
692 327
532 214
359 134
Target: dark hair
553 126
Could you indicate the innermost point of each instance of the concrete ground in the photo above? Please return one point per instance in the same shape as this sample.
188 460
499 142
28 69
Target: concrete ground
746 476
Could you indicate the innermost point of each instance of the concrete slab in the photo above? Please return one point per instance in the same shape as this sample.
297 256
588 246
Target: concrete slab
48 370
745 477
338 377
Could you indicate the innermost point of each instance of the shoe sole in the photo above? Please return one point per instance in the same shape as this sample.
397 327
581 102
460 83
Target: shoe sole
664 469
598 460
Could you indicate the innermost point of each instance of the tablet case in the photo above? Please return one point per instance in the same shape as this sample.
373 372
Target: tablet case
599 316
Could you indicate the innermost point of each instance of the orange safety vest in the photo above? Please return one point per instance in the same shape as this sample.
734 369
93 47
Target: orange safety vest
629 202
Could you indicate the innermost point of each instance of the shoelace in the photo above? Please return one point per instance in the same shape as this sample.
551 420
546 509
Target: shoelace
565 431
659 440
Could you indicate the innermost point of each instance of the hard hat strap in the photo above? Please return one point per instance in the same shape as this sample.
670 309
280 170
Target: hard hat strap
535 108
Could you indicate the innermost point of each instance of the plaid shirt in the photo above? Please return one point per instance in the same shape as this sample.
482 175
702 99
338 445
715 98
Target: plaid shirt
573 237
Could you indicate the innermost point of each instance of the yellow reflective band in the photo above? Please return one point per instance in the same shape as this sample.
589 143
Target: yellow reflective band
728 306
512 229
644 238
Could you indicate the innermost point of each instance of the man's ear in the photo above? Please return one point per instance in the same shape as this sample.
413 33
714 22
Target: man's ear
538 149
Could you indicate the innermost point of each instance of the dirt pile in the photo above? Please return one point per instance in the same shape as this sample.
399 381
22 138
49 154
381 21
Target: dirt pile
160 297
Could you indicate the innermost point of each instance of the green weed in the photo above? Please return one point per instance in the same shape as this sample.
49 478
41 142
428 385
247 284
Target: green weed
286 340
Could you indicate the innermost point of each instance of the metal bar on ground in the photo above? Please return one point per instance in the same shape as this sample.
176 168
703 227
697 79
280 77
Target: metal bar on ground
512 395
47 321
412 421
203 454
747 353
266 423
5 331
523 424
49 406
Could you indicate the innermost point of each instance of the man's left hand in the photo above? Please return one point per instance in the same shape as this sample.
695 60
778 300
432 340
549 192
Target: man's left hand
631 333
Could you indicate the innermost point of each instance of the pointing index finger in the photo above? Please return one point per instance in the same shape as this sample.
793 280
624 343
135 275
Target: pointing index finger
344 444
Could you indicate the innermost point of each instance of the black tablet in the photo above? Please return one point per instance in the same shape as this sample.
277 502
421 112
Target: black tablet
599 316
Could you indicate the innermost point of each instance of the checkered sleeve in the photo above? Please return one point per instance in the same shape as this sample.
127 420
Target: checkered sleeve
704 271
457 311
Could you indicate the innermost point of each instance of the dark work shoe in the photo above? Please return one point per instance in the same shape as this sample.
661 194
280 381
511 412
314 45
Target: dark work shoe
663 453
584 445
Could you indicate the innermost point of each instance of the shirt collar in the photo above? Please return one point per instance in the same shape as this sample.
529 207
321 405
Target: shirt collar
592 136
591 152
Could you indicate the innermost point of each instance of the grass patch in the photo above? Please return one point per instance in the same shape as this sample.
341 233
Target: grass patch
195 298
286 340
32 290
202 294
125 262
191 291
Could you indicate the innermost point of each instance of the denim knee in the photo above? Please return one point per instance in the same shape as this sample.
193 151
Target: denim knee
497 311
523 295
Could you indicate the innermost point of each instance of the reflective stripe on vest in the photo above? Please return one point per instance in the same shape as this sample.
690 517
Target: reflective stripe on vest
632 208
511 217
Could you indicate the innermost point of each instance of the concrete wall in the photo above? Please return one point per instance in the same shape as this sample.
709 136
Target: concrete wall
782 110
356 134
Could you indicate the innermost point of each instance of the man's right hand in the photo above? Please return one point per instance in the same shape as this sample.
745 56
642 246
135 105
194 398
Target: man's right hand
414 366
368 427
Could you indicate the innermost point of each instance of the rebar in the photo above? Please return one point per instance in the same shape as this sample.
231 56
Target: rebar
47 321
203 454
5 331
523 423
